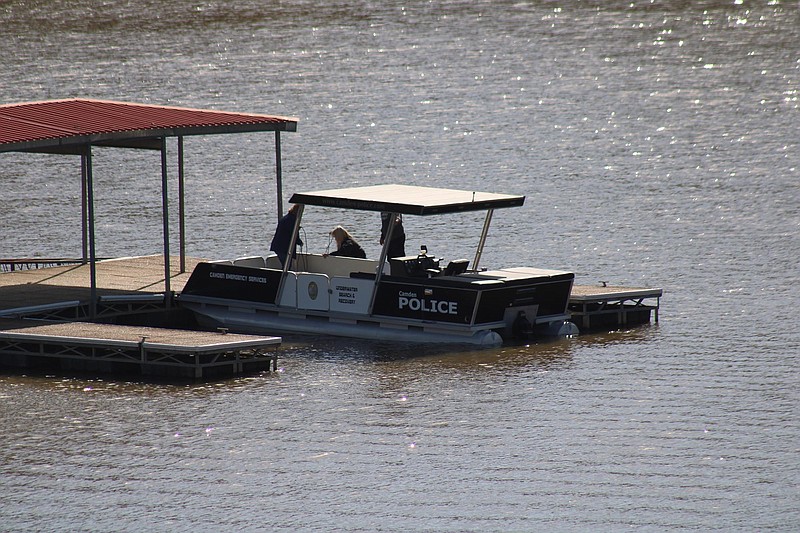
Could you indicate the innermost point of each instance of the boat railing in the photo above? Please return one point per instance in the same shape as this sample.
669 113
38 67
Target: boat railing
253 262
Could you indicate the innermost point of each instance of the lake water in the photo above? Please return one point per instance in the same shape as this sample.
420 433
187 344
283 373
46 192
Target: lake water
657 145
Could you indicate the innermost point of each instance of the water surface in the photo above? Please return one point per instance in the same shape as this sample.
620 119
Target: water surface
657 146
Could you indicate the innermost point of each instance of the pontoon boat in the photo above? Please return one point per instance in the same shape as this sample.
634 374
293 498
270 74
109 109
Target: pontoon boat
400 299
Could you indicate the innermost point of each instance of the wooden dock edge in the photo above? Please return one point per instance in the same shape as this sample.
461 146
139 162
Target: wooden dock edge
147 351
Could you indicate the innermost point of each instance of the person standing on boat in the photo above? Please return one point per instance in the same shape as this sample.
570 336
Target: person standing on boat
397 246
346 245
283 235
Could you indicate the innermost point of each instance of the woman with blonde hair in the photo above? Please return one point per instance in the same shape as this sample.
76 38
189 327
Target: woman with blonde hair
346 245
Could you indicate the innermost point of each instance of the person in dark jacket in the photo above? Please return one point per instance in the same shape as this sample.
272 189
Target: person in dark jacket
397 246
283 235
346 245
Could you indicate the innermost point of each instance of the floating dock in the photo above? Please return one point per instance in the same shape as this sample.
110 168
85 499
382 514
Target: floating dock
44 313
44 320
595 307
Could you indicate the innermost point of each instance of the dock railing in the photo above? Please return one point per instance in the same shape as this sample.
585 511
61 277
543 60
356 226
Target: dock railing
32 263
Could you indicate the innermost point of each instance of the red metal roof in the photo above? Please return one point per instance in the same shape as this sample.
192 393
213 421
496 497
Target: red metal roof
57 125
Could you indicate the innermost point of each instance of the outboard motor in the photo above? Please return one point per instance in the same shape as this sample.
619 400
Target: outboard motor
521 329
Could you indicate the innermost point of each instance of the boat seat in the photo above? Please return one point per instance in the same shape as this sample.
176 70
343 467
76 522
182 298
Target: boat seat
254 261
456 267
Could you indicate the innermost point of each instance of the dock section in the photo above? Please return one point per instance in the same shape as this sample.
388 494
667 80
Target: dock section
107 348
594 307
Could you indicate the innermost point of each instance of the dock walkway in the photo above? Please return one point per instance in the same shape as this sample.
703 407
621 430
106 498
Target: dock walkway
132 349
123 279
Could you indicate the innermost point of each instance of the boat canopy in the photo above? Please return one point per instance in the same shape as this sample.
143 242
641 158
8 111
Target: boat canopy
75 126
407 199
69 126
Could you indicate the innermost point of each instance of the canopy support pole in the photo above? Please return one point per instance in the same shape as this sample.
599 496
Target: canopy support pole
181 205
384 252
84 214
279 173
482 242
165 219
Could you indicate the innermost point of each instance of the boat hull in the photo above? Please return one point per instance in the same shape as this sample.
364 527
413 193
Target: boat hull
479 308
221 315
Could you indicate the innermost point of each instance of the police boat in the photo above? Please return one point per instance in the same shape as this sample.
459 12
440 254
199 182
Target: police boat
399 299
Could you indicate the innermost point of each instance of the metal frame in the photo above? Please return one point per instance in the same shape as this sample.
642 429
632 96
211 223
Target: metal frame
81 143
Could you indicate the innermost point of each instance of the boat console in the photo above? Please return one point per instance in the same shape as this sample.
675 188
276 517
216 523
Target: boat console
425 266
415 266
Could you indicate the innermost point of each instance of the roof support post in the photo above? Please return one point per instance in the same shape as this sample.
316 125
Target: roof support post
181 204
279 173
481 243
84 215
87 160
165 220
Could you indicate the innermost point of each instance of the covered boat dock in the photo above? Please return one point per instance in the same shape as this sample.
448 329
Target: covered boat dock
75 126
